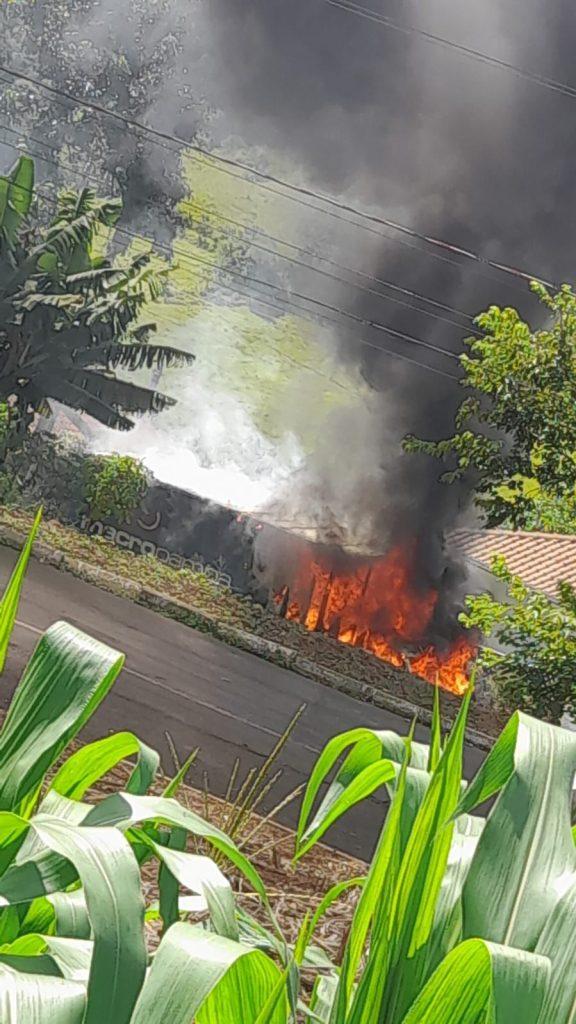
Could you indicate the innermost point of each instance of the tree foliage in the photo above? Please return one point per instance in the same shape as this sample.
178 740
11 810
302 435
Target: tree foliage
538 670
516 432
70 315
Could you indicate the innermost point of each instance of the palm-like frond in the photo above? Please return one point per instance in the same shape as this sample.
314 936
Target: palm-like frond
119 394
73 318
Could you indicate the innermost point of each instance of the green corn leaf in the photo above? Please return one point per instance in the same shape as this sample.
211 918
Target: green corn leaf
111 881
108 870
66 679
197 976
436 734
482 982
367 748
71 917
168 885
558 943
30 999
398 953
11 597
375 899
447 929
67 958
525 859
92 762
125 810
203 877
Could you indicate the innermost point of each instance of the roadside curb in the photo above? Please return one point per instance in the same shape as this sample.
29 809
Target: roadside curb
188 615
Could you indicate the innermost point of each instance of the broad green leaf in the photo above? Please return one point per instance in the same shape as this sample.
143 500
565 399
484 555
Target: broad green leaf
16 194
29 999
110 878
67 677
375 898
398 953
125 810
447 929
482 982
92 762
367 748
168 885
69 958
202 876
201 977
11 597
436 733
558 943
71 917
525 859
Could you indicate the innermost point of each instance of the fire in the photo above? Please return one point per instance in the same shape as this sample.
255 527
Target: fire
377 606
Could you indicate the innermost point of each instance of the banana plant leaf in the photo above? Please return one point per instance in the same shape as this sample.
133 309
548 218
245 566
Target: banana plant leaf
16 194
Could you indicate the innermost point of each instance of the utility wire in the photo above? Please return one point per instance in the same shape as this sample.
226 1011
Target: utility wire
279 255
285 294
483 58
294 192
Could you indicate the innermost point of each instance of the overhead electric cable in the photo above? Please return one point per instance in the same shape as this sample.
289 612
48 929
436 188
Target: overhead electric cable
262 176
484 58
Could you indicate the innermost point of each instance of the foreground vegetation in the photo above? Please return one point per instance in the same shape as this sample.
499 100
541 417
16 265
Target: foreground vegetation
460 920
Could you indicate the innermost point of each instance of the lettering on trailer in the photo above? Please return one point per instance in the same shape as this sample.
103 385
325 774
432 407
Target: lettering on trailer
130 542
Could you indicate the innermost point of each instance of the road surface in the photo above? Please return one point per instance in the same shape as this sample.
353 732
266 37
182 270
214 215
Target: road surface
200 691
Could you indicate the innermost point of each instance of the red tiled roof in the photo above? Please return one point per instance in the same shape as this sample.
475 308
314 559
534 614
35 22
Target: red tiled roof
541 559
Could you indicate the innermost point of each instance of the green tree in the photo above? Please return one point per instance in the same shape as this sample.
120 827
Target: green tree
515 433
538 671
70 316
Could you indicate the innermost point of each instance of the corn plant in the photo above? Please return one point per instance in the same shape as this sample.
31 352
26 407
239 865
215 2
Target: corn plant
461 920
11 597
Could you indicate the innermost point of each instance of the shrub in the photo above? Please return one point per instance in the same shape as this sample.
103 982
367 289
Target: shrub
115 486
538 671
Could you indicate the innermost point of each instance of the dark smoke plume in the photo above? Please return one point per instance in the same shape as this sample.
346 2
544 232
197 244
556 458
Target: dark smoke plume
458 150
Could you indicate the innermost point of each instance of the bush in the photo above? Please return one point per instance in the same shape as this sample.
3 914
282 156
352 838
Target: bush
115 486
538 671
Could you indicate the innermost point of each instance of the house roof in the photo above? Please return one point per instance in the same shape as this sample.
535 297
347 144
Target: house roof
540 559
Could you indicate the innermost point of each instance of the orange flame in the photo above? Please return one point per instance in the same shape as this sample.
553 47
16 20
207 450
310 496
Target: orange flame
378 607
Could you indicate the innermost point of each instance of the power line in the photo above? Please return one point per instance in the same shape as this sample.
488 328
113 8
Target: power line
484 58
290 259
285 295
299 191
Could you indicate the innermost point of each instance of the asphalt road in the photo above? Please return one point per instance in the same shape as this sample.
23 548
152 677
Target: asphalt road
200 691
